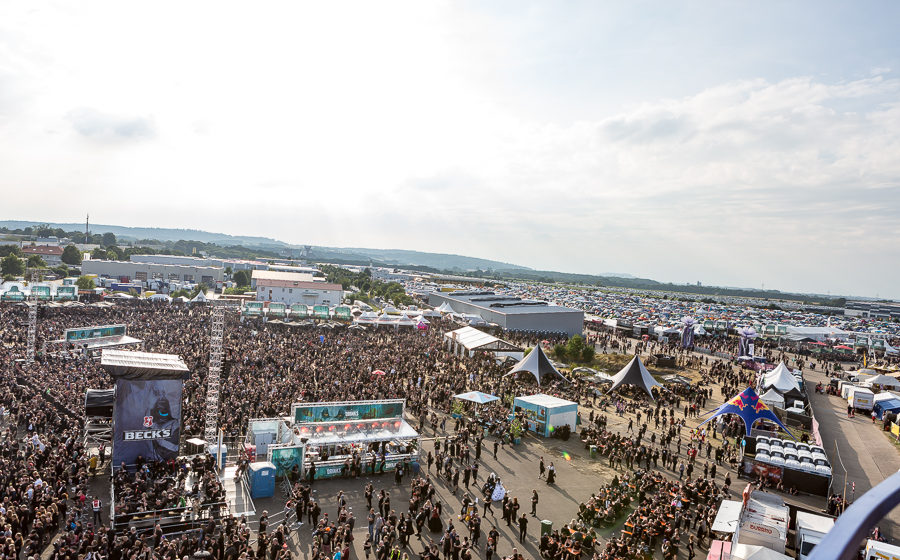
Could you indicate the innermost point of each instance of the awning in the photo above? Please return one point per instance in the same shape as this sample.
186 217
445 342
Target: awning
357 432
476 397
143 365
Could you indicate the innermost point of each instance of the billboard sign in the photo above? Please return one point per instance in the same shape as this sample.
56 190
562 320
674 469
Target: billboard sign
41 292
253 308
304 413
284 458
299 310
146 420
342 313
321 312
13 294
277 310
66 292
87 333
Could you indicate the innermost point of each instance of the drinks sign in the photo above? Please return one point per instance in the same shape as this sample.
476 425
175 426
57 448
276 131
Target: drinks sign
305 413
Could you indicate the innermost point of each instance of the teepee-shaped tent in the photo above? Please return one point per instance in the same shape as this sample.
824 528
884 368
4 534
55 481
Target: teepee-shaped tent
635 374
538 364
200 298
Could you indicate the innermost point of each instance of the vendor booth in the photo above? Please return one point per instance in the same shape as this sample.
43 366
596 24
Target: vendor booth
544 413
338 439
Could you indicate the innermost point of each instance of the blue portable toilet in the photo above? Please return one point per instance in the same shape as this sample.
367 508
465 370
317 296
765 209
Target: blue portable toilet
214 450
262 479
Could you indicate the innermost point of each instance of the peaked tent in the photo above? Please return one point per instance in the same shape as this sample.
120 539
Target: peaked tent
883 380
200 298
750 408
445 308
635 374
782 379
538 364
772 398
476 397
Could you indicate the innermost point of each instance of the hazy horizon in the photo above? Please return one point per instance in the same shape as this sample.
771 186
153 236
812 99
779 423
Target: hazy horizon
732 144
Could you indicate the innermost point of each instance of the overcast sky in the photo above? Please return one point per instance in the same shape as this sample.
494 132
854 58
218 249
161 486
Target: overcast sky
728 142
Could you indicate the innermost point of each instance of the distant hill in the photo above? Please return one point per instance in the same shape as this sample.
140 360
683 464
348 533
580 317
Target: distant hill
400 257
377 257
161 234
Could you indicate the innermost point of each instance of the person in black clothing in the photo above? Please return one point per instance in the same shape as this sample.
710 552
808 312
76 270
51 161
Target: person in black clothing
523 526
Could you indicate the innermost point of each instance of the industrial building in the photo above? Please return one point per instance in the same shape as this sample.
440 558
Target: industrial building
512 313
292 287
146 273
266 275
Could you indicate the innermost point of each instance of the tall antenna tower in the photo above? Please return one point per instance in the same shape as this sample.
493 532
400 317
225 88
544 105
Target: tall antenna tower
216 354
87 229
32 320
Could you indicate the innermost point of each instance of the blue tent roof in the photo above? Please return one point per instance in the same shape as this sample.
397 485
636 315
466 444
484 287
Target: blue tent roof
890 404
750 408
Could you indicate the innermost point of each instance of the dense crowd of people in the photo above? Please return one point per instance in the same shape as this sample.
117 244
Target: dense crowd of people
664 469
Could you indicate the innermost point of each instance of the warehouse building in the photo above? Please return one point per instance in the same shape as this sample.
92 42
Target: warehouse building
146 273
293 287
512 313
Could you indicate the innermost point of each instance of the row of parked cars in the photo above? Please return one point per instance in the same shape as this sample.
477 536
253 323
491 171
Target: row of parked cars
792 454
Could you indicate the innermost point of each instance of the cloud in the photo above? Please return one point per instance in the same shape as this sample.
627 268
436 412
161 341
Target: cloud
99 126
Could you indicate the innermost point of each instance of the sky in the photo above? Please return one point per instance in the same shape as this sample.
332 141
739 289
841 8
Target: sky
724 142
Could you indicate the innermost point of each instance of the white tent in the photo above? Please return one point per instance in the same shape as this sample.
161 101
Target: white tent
367 317
772 398
445 308
782 379
883 380
741 551
200 298
385 319
405 321
160 297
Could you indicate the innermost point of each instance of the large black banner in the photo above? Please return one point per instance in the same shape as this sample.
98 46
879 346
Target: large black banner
146 420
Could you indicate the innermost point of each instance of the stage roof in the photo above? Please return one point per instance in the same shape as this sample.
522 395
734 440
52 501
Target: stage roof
474 339
108 342
143 365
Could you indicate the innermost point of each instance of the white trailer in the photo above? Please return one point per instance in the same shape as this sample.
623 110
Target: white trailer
876 550
811 529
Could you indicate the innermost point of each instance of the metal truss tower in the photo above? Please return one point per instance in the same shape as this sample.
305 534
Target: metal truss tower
216 355
32 321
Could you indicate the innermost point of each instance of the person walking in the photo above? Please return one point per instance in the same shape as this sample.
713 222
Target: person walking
541 468
523 526
534 502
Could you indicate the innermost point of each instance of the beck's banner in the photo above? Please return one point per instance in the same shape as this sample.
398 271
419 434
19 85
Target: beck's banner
337 411
146 420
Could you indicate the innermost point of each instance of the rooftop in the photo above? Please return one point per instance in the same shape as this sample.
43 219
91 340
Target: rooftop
504 304
43 250
298 284
266 275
